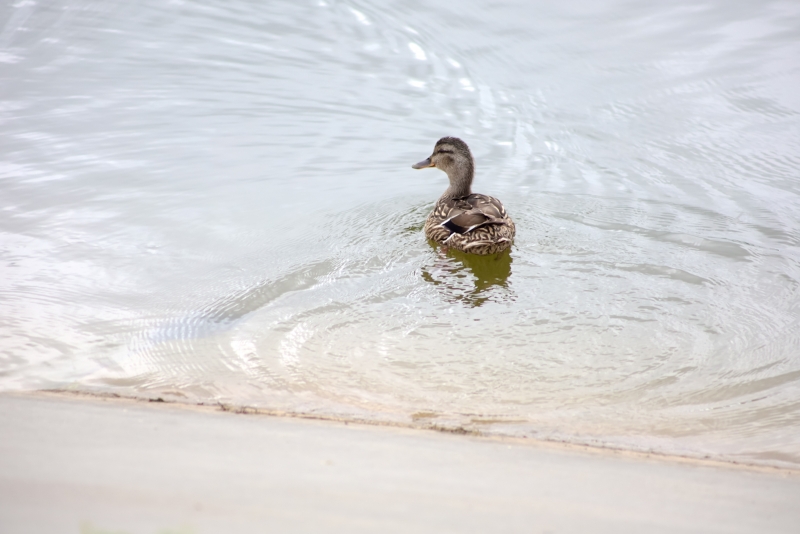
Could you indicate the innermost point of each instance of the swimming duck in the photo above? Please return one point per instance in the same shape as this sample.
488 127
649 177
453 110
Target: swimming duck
461 219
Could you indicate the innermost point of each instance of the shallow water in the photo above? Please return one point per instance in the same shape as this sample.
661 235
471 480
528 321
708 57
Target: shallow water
214 201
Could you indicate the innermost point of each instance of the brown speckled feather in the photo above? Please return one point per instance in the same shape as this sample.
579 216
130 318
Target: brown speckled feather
488 227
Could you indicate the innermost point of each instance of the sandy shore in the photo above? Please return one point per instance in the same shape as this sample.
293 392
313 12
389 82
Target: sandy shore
92 466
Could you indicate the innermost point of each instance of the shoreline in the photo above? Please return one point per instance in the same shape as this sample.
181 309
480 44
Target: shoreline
102 465
430 427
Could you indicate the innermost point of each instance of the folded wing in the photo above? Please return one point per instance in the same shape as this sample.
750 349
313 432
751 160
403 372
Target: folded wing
473 212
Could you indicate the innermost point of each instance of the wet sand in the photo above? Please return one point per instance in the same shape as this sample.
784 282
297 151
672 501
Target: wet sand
93 465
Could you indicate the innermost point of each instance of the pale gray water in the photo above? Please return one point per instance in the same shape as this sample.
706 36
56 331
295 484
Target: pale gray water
214 201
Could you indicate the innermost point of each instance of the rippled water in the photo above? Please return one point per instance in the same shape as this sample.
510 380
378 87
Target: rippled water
214 201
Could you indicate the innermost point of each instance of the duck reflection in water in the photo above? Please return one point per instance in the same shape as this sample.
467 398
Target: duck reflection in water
468 278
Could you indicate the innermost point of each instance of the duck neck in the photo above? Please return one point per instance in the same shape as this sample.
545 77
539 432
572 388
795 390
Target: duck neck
460 181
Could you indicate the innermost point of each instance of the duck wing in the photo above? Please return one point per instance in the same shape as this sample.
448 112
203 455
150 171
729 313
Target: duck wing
472 212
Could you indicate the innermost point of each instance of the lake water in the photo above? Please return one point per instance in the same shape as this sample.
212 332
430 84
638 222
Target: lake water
214 202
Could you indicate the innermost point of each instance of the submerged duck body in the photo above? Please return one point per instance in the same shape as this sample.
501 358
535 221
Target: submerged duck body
461 219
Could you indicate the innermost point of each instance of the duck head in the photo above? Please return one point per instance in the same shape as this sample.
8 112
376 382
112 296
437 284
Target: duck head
452 155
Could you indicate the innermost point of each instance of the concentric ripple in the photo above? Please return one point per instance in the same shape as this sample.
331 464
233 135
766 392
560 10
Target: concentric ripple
213 202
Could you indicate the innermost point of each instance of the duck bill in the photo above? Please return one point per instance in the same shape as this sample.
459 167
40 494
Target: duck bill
423 164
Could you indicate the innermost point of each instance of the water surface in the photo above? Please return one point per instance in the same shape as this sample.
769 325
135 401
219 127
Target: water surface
213 201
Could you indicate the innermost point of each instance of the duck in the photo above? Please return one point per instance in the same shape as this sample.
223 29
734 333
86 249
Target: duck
463 220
